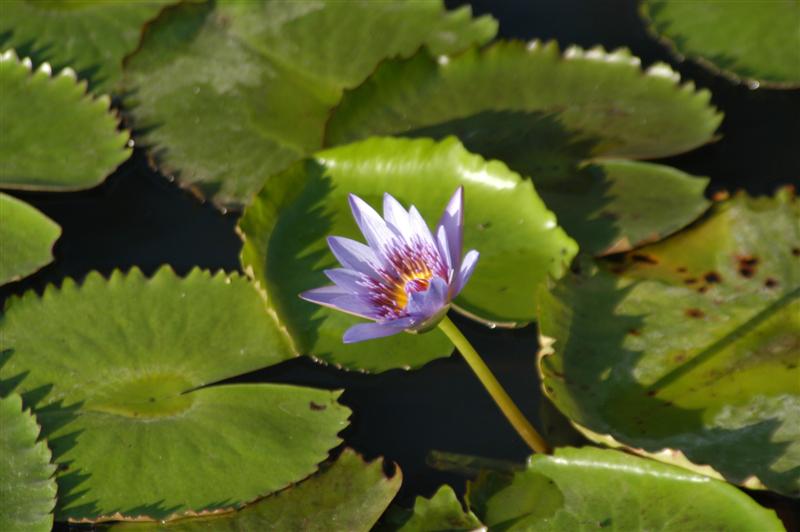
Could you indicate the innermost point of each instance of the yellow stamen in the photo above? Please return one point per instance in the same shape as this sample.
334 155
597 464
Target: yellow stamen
400 295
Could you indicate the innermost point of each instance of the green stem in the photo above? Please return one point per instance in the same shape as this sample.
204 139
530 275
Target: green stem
507 406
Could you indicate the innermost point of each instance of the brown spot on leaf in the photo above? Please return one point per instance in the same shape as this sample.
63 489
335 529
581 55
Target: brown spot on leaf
712 278
634 332
771 282
316 406
720 195
703 289
796 252
690 280
695 313
646 259
651 393
681 269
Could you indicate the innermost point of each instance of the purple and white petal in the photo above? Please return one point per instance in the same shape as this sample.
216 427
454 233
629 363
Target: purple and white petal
420 229
339 299
324 295
423 305
354 255
368 331
377 233
463 275
348 280
396 216
452 221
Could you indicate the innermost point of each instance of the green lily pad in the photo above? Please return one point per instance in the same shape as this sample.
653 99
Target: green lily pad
26 239
747 39
348 494
27 488
443 511
230 94
590 488
55 136
117 372
550 116
688 349
91 36
286 227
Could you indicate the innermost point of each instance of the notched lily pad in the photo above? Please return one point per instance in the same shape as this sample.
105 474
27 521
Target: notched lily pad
91 36
570 490
560 119
747 40
348 494
118 372
27 488
26 239
690 345
443 511
231 93
286 227
55 136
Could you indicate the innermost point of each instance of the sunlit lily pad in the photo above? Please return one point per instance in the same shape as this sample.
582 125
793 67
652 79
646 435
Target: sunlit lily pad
91 36
26 239
117 372
27 489
443 511
753 40
286 227
590 488
55 136
348 494
549 116
230 94
689 349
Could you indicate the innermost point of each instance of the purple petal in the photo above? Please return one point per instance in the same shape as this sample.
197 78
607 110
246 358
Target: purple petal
419 228
354 255
336 298
423 305
368 331
453 222
348 280
444 248
374 228
467 267
396 215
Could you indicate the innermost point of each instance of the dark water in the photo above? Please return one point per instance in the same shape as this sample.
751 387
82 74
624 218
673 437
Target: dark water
138 218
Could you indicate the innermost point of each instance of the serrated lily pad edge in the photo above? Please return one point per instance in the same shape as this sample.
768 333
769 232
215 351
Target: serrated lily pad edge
707 64
86 97
58 236
665 455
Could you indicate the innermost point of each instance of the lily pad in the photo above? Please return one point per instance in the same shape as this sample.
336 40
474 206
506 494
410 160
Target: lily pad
550 117
27 488
232 93
117 371
590 488
688 349
55 136
91 36
26 239
752 40
286 227
443 511
348 494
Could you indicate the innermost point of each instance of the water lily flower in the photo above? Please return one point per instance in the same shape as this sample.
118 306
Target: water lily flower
405 277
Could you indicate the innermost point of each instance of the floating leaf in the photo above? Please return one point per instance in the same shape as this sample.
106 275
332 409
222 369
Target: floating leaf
232 93
91 36
590 488
348 494
690 345
546 115
26 239
118 373
443 511
286 227
27 489
751 39
55 136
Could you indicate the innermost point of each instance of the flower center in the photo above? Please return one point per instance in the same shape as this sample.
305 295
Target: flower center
409 284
